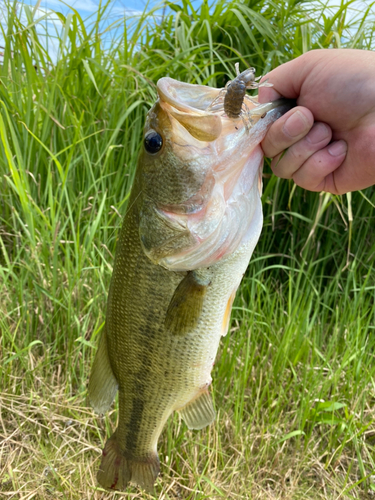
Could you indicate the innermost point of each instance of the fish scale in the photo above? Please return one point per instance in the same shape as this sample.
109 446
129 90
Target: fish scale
142 339
142 354
176 272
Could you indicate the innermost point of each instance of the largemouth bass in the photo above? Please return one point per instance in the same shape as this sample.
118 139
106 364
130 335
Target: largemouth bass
193 220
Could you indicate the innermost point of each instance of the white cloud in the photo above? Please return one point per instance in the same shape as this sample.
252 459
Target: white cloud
79 5
89 6
47 25
121 11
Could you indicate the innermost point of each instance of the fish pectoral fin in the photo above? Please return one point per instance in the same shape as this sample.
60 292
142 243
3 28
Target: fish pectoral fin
199 412
102 383
186 305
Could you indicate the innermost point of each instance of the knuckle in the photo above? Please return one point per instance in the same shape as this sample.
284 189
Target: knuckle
296 156
272 145
278 167
268 145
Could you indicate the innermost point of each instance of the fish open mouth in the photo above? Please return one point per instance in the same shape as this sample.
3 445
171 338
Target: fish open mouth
230 213
188 104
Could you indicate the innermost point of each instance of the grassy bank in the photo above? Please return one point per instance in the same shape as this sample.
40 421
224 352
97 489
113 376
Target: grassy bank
294 378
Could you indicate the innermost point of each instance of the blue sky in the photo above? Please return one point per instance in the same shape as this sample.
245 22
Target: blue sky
118 8
86 7
50 23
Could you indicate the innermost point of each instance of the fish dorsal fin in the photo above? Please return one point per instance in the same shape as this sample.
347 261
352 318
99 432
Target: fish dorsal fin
102 384
199 412
186 305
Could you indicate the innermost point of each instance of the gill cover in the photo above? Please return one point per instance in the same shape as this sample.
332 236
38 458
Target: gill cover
201 192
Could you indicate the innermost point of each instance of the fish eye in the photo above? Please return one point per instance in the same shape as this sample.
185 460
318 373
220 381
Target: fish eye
153 142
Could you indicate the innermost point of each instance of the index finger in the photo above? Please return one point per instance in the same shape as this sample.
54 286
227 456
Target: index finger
268 94
288 78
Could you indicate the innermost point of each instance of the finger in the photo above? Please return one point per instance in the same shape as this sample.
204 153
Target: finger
286 165
357 170
288 78
267 94
287 130
318 168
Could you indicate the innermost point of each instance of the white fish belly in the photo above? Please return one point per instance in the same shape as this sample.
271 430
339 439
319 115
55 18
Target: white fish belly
195 353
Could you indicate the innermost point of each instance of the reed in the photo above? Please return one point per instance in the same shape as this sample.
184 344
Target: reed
294 379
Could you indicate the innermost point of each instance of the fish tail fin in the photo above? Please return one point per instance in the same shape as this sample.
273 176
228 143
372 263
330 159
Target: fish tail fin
117 470
145 472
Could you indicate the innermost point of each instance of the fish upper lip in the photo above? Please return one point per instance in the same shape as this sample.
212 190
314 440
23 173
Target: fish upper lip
264 108
195 99
186 97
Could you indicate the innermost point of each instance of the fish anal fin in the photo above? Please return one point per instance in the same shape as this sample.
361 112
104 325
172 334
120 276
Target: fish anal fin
199 412
102 383
117 469
228 310
186 305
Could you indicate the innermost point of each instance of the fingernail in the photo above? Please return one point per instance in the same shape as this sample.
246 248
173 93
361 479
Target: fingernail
337 148
318 133
295 124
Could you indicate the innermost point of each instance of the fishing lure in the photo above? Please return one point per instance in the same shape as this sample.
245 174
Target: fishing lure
232 98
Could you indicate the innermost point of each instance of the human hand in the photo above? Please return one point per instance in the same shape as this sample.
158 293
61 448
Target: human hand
336 89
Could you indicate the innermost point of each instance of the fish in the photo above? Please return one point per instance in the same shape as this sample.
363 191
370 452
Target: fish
193 219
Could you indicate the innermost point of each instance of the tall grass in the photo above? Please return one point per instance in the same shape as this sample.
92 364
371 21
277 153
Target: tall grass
294 379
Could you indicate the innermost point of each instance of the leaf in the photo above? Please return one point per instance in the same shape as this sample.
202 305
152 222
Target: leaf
91 76
330 406
290 435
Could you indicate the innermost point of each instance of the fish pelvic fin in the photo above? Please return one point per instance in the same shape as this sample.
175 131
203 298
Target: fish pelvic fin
102 383
186 305
117 470
199 412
